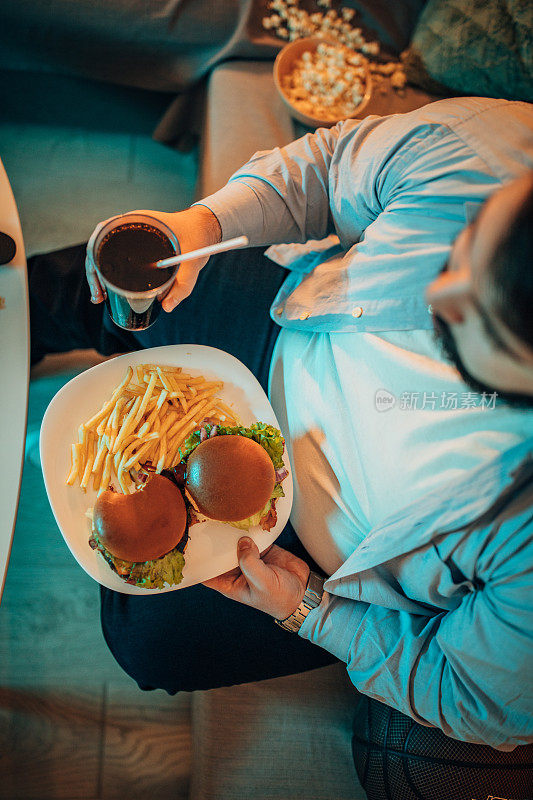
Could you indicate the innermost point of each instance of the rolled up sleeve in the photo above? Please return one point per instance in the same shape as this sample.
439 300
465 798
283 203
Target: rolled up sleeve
281 195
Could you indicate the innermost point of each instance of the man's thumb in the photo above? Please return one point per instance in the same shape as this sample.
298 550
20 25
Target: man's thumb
250 562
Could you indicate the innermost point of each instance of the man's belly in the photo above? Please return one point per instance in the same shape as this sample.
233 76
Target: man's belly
371 423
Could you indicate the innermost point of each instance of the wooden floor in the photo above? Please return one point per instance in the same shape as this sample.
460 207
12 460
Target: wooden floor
96 743
72 724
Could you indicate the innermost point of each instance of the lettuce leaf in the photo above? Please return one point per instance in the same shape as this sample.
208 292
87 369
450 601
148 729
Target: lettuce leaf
156 574
266 435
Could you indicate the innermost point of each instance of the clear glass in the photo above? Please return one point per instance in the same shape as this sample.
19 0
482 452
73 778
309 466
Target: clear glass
132 310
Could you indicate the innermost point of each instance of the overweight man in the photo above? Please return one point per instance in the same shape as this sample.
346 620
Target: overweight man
391 325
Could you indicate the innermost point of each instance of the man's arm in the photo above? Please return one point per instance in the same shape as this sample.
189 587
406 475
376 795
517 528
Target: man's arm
283 195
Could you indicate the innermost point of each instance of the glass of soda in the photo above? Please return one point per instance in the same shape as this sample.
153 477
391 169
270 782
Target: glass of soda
123 253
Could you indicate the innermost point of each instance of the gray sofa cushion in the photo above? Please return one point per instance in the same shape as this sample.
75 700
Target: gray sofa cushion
163 45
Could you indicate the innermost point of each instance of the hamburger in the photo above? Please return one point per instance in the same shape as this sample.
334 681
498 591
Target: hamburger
234 474
231 474
142 536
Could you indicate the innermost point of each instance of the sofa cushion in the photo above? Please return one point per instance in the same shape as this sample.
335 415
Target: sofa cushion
164 45
474 47
243 114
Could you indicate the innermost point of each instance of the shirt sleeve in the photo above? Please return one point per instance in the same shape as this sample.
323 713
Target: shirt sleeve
466 671
284 195
415 166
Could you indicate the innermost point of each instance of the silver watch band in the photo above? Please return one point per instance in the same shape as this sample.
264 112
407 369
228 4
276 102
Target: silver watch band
311 599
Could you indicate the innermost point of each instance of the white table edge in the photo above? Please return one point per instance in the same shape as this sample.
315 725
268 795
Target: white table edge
11 225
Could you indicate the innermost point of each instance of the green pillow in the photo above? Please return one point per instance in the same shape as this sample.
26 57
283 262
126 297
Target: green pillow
473 47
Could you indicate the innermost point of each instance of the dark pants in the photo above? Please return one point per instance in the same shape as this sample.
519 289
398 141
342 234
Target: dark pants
195 638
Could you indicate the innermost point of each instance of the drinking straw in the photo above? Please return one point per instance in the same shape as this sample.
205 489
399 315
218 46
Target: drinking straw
221 247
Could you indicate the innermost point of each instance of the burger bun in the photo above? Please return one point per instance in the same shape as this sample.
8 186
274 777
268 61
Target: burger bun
229 477
144 525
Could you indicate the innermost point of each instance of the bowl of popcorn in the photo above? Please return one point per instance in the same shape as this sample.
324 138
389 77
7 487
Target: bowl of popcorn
322 81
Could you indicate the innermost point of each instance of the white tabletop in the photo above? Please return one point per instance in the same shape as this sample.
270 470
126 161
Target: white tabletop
14 372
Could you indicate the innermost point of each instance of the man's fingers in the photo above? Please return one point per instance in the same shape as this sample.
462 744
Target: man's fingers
97 293
254 570
184 283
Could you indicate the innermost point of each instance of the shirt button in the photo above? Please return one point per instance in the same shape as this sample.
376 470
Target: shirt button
305 315
357 312
430 309
279 311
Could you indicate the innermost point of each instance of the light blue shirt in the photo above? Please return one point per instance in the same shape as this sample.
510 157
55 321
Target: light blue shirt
432 612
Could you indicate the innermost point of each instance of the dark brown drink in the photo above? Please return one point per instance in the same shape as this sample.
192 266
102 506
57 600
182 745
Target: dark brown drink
124 258
127 255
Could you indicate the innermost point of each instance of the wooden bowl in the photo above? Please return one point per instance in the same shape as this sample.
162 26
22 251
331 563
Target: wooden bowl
284 64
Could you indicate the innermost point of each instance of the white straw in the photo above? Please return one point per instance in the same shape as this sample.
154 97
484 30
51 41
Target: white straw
230 244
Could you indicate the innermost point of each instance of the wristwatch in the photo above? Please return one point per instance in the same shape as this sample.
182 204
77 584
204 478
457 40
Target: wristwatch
311 599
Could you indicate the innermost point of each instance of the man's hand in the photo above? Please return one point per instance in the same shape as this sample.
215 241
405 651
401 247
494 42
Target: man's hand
194 228
274 582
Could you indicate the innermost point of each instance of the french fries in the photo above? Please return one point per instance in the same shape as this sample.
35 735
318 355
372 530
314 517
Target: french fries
147 418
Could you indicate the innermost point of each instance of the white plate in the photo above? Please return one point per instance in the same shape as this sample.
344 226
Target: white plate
211 549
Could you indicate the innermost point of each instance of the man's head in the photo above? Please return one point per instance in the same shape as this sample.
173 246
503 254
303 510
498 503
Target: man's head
483 300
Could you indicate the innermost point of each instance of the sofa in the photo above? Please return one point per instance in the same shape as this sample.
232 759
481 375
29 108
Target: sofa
199 75
167 65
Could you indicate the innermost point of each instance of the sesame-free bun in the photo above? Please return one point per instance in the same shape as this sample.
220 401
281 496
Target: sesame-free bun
230 477
144 525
